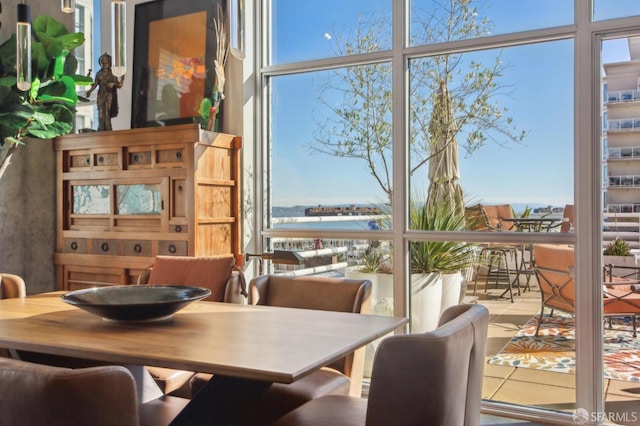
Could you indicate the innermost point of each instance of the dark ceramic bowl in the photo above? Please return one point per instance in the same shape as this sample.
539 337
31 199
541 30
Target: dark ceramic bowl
135 302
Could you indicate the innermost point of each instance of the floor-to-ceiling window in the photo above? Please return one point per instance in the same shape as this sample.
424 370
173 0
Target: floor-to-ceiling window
360 100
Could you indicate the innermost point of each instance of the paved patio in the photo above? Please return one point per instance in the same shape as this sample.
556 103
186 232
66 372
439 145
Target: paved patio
544 389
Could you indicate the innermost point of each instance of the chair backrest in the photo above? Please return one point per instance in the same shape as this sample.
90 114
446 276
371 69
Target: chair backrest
433 377
494 214
11 286
474 218
567 216
216 273
314 292
311 292
554 270
34 394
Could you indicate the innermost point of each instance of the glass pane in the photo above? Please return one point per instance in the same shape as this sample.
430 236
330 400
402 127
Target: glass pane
610 9
439 21
305 30
139 199
352 259
91 199
495 128
526 365
330 150
621 116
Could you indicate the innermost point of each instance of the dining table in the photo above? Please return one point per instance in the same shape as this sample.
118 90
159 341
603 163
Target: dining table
245 347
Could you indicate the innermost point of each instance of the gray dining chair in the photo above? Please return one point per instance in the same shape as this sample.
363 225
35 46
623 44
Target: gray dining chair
35 394
342 377
433 378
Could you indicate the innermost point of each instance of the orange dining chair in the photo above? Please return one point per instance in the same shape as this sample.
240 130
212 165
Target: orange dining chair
11 286
567 218
216 273
554 266
495 257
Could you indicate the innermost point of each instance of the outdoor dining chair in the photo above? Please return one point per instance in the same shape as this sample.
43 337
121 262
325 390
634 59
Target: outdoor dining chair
554 267
496 258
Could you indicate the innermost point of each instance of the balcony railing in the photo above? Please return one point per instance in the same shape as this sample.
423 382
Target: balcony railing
623 208
624 182
623 96
626 153
623 124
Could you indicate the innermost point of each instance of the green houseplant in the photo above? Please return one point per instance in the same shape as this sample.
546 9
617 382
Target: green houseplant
618 253
47 109
436 264
617 247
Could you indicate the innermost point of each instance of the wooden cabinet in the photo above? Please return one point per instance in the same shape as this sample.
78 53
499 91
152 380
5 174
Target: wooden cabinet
125 196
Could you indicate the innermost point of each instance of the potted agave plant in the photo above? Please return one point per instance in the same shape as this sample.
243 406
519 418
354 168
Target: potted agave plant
437 267
618 253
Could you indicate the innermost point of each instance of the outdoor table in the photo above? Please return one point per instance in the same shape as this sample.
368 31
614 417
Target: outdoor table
245 347
534 224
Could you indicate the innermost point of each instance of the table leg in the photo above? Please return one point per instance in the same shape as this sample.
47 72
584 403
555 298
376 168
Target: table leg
147 389
219 401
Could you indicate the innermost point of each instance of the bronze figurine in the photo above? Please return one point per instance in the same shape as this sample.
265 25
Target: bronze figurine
108 85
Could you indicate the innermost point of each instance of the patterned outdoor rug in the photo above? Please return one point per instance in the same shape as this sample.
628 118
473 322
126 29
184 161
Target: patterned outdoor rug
553 349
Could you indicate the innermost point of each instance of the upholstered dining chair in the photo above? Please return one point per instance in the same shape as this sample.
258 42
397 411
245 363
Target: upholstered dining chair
216 273
433 378
12 285
36 394
343 377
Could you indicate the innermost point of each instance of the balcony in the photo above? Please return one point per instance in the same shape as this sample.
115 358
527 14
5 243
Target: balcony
623 96
627 181
626 153
623 125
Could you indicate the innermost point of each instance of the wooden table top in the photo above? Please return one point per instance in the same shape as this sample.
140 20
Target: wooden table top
253 342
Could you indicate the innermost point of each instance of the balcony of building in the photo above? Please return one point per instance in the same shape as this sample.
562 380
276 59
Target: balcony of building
624 153
623 125
623 96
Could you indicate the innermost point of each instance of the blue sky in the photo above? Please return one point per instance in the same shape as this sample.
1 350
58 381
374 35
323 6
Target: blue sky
539 99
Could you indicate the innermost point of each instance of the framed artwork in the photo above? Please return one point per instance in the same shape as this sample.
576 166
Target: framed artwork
173 52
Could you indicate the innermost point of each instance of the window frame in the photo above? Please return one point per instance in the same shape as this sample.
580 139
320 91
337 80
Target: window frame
588 194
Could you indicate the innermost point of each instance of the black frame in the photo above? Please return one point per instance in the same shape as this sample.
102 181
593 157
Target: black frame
145 13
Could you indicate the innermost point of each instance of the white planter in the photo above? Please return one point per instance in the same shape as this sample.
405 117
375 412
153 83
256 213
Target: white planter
381 284
426 300
451 285
381 304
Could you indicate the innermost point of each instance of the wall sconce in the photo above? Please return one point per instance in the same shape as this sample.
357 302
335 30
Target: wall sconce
68 6
119 37
23 47
235 10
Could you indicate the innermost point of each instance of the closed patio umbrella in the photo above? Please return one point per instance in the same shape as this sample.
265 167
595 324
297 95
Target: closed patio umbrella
444 189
